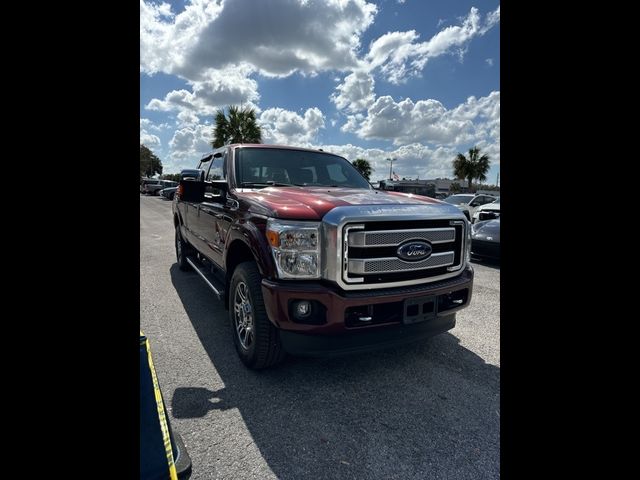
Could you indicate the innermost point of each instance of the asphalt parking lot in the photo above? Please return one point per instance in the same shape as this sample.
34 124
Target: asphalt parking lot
427 410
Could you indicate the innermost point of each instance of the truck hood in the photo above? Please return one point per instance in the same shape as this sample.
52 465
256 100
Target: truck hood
312 203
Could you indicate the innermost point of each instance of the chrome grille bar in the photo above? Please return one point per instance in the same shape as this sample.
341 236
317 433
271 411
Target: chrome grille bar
393 264
387 238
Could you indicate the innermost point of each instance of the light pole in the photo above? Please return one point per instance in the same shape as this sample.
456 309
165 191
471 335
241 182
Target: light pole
391 160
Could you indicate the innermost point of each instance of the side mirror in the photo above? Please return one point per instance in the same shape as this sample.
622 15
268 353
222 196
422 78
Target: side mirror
191 190
220 185
192 174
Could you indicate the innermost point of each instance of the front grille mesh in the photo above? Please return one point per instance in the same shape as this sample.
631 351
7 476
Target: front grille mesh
386 265
372 258
377 239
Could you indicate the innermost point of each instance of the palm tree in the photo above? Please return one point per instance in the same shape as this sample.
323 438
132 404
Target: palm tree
239 127
363 166
475 166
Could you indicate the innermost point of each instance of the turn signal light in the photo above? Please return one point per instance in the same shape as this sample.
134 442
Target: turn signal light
274 238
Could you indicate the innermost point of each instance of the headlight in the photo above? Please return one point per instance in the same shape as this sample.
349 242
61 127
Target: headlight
295 247
467 248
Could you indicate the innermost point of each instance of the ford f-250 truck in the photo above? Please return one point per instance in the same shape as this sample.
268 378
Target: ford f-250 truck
309 259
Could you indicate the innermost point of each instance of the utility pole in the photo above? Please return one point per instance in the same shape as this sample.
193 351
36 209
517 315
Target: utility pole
391 160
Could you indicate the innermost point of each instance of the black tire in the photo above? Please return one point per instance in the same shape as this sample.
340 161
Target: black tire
182 250
261 347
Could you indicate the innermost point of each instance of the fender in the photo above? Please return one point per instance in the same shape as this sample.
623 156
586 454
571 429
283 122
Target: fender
254 238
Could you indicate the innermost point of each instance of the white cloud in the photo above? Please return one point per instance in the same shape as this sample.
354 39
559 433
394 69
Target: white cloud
428 121
187 118
278 37
353 123
412 160
355 93
166 39
149 140
189 143
219 89
285 127
399 57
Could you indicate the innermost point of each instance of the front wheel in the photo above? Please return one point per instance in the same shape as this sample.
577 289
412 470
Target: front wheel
182 250
256 340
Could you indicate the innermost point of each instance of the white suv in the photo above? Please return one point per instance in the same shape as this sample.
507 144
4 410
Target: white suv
468 202
492 208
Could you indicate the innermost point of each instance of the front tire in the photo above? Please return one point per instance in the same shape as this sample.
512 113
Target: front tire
256 340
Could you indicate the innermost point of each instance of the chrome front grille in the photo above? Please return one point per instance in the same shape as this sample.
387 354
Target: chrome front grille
370 257
388 265
386 238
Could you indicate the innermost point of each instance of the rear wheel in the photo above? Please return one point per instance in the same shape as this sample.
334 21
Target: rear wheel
256 340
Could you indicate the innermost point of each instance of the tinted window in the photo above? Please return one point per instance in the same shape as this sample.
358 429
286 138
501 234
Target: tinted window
261 166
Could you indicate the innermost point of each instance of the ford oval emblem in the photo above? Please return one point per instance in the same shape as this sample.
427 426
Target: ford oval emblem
414 251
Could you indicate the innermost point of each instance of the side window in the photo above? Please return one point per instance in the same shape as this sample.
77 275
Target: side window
205 166
218 168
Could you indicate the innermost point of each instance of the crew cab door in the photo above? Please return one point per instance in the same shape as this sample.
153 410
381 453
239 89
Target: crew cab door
213 221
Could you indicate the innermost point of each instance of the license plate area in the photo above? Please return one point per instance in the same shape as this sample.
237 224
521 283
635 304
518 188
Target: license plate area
419 309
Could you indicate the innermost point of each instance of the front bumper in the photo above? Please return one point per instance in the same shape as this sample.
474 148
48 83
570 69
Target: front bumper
485 248
339 333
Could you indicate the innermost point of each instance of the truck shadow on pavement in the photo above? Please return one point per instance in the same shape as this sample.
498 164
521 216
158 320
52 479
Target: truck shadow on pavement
426 410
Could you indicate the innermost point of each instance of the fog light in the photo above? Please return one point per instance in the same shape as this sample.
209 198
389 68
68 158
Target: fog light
302 309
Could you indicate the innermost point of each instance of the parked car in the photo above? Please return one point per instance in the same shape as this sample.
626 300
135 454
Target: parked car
168 192
310 260
485 239
468 202
147 184
154 189
487 211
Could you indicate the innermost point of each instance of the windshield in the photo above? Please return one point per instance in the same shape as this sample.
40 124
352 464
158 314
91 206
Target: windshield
261 167
458 199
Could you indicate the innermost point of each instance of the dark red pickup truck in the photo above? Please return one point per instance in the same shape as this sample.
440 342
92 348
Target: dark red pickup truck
311 260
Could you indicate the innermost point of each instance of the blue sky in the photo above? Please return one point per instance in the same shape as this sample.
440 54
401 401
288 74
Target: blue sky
414 80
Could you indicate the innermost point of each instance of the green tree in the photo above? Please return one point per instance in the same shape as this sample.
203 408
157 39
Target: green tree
455 187
363 166
239 126
150 164
475 166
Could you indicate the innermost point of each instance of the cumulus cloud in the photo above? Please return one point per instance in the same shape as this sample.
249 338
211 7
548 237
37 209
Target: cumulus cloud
428 121
278 37
399 56
289 128
413 160
189 143
355 93
148 139
219 89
